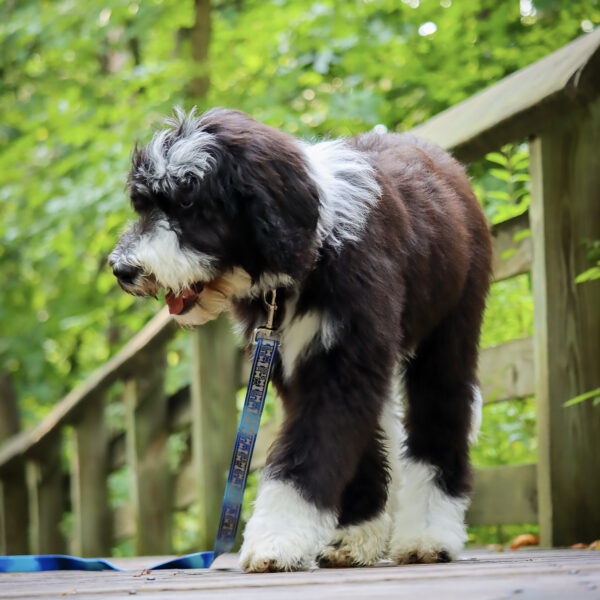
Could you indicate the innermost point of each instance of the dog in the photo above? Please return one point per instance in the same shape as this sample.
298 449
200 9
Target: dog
380 256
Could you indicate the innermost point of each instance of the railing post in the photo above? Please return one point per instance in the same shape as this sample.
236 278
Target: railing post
215 361
147 435
47 496
89 471
565 210
14 517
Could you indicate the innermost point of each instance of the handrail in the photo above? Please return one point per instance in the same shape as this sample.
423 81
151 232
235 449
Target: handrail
520 104
160 328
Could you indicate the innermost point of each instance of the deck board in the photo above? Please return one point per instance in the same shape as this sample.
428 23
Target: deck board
535 574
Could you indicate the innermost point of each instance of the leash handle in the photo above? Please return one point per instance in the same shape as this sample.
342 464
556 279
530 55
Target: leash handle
265 353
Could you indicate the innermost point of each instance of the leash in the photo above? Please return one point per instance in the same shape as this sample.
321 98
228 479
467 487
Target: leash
266 343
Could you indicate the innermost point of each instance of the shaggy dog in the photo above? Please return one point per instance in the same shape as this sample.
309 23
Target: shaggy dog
380 255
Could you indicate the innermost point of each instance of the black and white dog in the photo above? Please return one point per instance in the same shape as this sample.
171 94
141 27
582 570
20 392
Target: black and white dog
380 255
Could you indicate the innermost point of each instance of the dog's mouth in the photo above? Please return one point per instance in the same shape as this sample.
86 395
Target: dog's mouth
181 303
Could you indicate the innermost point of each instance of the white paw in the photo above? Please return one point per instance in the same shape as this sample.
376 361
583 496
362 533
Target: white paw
358 545
285 532
273 553
429 547
428 524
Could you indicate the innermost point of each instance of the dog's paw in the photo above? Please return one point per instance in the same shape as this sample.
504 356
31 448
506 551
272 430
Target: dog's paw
418 555
285 531
271 554
427 547
358 545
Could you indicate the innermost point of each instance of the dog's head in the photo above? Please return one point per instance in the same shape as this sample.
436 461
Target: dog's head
217 196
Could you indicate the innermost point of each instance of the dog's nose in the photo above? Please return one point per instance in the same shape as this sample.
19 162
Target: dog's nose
126 273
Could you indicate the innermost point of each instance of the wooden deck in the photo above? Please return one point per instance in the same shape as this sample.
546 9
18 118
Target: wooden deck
539 574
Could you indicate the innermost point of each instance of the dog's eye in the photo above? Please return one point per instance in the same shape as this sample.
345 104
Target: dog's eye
186 202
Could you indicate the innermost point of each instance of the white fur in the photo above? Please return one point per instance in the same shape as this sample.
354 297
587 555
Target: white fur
174 162
476 414
159 253
359 545
285 532
348 189
297 333
391 423
270 281
426 520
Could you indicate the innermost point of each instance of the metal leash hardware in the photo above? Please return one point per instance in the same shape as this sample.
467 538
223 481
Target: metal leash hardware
271 308
266 343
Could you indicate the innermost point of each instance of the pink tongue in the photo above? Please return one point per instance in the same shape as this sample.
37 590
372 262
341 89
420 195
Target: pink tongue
177 303
174 302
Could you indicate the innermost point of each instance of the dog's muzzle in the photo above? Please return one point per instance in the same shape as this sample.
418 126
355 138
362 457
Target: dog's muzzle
126 274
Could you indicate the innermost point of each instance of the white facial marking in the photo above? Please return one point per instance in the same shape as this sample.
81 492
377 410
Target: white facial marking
158 252
285 531
348 190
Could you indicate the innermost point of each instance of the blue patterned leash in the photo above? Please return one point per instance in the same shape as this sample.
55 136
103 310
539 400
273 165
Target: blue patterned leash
266 345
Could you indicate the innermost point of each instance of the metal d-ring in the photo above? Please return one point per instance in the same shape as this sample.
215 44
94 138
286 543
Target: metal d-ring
271 306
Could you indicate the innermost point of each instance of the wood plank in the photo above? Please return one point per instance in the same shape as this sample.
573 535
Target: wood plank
507 371
214 417
511 256
89 492
524 103
146 416
504 495
47 498
156 332
478 575
565 179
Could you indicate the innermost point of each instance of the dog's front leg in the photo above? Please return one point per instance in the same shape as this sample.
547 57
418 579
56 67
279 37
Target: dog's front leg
331 412
285 530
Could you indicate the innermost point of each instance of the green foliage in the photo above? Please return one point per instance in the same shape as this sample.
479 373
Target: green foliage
81 82
507 434
593 395
593 255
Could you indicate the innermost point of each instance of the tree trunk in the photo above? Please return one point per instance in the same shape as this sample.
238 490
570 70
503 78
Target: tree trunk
200 40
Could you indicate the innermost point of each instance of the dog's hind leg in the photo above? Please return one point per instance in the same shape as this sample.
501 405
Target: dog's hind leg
443 404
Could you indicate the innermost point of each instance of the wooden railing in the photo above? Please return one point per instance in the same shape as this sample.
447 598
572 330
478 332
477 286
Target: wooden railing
555 104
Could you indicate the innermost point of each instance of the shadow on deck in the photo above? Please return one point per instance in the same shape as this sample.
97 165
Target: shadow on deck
539 574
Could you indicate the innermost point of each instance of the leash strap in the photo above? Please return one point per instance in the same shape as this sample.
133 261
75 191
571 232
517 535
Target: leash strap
262 365
265 353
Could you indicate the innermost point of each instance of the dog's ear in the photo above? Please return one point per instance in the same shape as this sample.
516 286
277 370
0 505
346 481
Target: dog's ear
263 180
282 207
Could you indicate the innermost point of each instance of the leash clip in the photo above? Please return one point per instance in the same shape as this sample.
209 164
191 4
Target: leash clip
270 300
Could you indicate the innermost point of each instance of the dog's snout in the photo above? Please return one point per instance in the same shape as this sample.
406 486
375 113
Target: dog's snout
126 273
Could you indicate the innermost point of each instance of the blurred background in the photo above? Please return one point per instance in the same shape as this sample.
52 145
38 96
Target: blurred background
82 82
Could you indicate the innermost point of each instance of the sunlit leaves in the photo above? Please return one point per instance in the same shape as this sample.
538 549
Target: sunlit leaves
73 101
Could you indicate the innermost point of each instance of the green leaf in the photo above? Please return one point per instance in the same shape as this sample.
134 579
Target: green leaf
582 397
499 195
497 158
521 235
501 174
588 275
